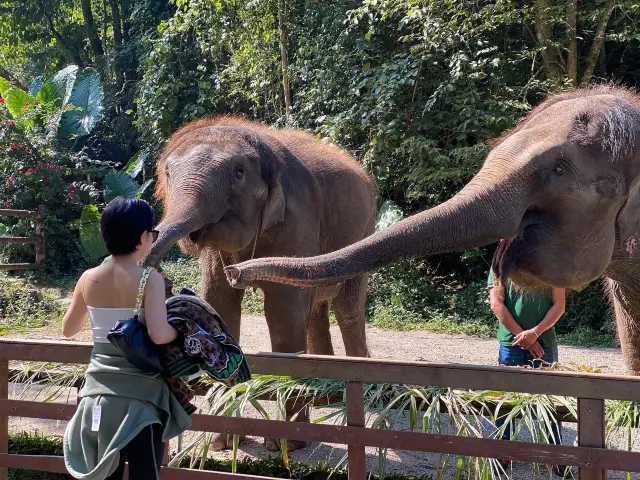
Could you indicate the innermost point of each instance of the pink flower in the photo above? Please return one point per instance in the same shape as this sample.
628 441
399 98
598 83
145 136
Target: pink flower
1 100
38 169
11 122
13 145
46 181
8 180
57 168
47 165
20 172
29 170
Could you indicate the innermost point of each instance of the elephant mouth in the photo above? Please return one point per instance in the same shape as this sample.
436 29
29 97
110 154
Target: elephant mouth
498 258
196 235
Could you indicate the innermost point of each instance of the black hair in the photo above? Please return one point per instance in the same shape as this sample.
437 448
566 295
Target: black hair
123 222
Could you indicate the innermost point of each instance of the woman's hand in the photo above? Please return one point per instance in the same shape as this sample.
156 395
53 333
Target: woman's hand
526 338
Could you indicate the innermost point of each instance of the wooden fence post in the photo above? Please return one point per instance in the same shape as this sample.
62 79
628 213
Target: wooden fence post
4 420
591 433
40 246
355 418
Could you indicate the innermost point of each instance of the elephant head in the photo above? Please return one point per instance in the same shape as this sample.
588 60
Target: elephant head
220 184
560 191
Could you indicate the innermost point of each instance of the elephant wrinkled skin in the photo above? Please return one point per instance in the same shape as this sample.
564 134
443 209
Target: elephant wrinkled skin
230 187
560 191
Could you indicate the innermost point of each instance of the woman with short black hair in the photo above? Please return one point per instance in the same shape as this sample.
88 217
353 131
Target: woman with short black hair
124 414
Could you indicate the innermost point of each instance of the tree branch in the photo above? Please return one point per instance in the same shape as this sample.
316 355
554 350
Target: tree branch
598 40
572 43
7 75
73 55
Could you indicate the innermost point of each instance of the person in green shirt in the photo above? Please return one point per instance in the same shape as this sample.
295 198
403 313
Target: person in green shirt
526 334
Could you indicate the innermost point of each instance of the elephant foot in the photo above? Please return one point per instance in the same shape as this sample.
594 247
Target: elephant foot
272 445
223 441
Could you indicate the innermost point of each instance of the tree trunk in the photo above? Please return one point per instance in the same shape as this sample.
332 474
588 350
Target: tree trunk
7 75
544 35
105 19
572 43
284 46
92 33
598 41
117 24
126 13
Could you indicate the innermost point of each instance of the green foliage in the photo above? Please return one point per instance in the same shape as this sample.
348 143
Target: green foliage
90 236
86 98
37 169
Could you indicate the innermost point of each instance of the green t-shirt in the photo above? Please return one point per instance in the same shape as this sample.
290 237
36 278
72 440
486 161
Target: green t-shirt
528 310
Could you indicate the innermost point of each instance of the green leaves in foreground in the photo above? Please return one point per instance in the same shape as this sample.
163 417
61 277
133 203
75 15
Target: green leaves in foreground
90 236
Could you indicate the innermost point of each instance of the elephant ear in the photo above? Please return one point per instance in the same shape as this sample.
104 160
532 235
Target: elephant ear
629 223
270 167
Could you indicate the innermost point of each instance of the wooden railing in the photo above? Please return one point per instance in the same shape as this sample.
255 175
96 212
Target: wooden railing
38 240
591 456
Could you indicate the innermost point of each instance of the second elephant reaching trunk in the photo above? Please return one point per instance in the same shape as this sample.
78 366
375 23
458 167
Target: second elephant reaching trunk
562 192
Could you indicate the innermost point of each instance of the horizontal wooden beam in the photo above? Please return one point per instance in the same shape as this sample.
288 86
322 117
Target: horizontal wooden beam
360 436
54 464
20 240
6 212
20 266
369 370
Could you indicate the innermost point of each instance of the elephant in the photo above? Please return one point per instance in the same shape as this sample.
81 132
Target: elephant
560 192
234 190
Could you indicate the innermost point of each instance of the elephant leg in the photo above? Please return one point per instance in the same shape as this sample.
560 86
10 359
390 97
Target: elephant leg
318 334
288 310
627 313
349 307
227 301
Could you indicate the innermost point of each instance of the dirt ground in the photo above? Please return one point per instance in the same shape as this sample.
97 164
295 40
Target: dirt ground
413 345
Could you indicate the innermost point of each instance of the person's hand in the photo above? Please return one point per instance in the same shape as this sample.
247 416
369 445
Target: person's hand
536 350
525 339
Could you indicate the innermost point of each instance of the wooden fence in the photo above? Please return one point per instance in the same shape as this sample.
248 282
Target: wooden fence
591 455
38 240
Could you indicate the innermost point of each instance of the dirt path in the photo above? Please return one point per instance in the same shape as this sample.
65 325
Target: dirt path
413 345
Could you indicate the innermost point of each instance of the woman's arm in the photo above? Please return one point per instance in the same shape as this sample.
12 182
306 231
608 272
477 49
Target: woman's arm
76 315
155 311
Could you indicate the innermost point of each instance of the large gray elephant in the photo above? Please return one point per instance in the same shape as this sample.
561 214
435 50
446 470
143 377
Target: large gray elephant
233 190
560 191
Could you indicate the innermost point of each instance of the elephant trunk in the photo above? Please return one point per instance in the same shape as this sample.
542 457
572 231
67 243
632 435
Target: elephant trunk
170 232
185 216
476 216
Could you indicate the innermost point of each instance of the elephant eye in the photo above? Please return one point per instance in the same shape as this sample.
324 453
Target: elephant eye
559 168
239 172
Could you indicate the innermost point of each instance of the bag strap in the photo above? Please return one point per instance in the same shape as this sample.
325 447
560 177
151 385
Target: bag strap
143 284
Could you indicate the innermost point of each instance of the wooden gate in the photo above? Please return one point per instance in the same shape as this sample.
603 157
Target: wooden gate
38 240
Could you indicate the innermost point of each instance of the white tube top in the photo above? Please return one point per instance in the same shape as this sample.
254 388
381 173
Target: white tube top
104 319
